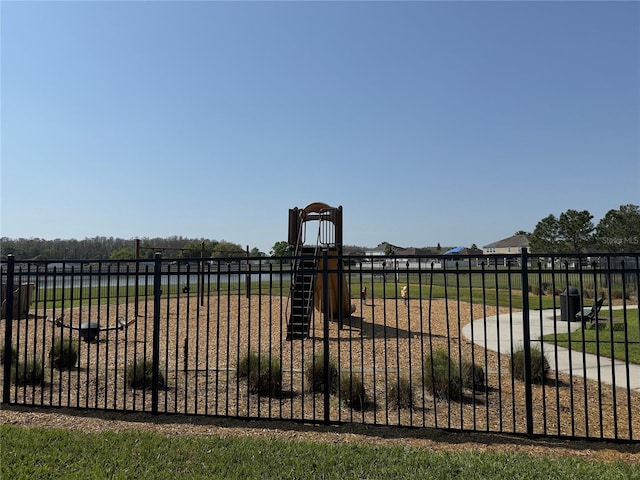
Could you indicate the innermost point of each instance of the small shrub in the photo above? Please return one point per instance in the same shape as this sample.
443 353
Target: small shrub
442 376
353 393
14 355
29 372
544 288
140 375
248 363
63 354
473 376
617 294
401 393
539 365
314 374
263 377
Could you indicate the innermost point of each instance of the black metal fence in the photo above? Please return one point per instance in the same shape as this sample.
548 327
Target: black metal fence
474 344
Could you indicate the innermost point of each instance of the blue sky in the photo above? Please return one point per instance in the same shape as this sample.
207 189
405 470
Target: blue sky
429 122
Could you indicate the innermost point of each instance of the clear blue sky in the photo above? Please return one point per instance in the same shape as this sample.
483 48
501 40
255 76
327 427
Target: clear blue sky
429 122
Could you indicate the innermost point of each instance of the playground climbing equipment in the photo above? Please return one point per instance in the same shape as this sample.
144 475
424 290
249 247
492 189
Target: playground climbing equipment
309 272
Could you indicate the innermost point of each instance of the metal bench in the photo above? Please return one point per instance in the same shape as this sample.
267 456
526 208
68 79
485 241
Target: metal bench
590 314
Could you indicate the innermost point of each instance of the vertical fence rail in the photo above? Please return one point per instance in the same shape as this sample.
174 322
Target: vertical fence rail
155 352
325 340
527 342
8 347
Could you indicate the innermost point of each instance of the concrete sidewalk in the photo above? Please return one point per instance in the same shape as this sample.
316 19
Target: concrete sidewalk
504 333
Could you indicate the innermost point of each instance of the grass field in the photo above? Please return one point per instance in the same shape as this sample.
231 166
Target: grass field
610 339
57 453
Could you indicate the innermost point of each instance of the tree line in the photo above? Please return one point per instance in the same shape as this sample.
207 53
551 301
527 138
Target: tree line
99 248
573 231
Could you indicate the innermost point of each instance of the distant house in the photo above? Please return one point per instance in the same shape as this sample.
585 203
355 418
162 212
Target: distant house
381 249
406 252
507 246
513 244
460 256
463 251
406 257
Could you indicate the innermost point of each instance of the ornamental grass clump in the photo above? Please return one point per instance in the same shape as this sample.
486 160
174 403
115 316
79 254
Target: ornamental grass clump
314 374
442 376
539 365
28 372
140 375
63 354
473 376
401 393
353 392
263 373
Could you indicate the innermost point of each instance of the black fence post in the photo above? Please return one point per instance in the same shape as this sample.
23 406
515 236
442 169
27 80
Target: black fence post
157 291
8 332
527 340
325 339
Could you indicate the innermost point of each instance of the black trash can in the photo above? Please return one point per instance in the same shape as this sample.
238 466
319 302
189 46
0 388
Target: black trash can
569 304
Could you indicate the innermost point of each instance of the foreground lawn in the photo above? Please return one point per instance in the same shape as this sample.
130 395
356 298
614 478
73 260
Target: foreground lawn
604 340
50 453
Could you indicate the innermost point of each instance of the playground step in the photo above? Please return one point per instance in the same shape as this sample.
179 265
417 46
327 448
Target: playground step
301 297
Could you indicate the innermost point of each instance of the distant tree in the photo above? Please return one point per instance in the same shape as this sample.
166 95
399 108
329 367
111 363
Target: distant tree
474 246
438 248
571 232
546 236
192 250
124 253
389 250
255 252
281 249
619 230
576 230
522 232
227 250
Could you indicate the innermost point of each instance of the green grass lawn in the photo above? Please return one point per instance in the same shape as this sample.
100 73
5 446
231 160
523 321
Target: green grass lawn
52 453
605 338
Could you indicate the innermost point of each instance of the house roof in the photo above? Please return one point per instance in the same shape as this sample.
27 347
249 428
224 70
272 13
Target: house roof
463 251
382 247
514 241
413 251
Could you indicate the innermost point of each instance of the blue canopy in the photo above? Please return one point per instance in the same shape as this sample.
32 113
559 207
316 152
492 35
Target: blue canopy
454 250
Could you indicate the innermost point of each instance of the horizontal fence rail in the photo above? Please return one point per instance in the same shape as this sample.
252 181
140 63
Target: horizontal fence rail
543 346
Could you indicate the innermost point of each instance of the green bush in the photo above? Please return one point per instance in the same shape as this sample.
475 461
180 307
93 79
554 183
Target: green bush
442 376
29 372
353 393
401 393
314 374
263 374
63 354
539 365
140 375
473 376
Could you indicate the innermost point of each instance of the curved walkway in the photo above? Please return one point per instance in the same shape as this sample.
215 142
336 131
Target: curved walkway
504 333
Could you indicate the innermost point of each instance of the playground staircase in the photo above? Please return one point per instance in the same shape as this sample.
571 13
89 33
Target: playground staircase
301 295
